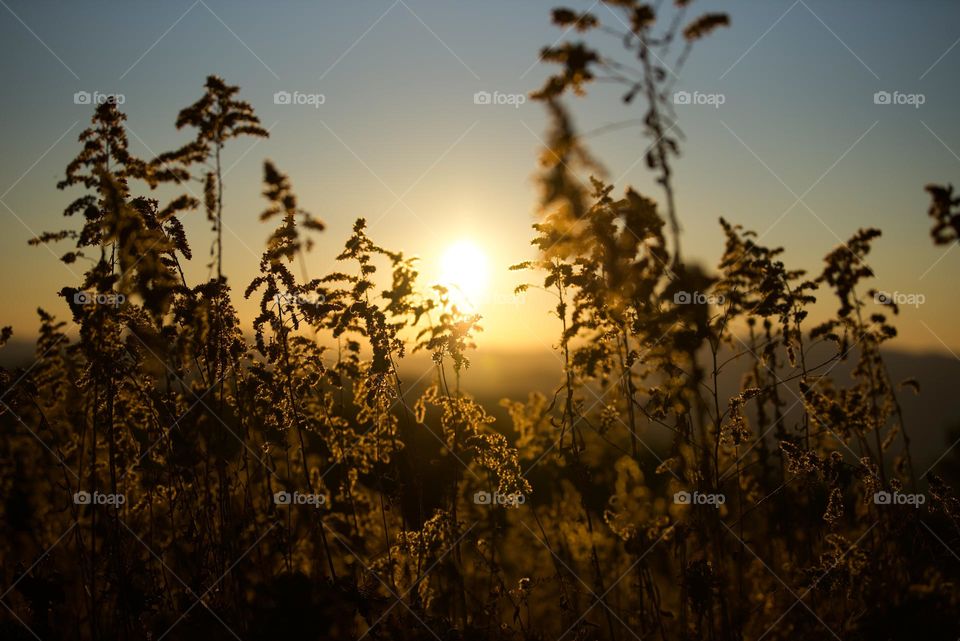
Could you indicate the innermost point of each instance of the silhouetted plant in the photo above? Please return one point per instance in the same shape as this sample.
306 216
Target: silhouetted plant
211 437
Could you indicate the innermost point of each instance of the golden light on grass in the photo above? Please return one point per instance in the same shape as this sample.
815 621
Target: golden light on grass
646 411
465 271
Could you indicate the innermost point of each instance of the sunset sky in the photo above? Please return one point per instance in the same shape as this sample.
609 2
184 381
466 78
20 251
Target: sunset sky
798 151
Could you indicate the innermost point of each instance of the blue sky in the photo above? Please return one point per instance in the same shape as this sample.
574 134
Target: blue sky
399 140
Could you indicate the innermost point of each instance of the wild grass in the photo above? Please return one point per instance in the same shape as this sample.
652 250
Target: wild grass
163 401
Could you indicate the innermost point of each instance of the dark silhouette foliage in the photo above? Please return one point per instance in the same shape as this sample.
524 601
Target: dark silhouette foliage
165 477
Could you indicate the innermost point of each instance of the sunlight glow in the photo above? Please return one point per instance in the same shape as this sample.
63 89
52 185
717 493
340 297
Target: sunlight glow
464 269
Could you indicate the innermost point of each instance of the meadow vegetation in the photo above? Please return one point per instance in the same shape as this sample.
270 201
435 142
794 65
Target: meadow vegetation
166 475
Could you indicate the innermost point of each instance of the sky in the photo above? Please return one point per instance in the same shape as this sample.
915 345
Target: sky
798 150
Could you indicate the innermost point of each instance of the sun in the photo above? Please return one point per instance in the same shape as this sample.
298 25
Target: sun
465 271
